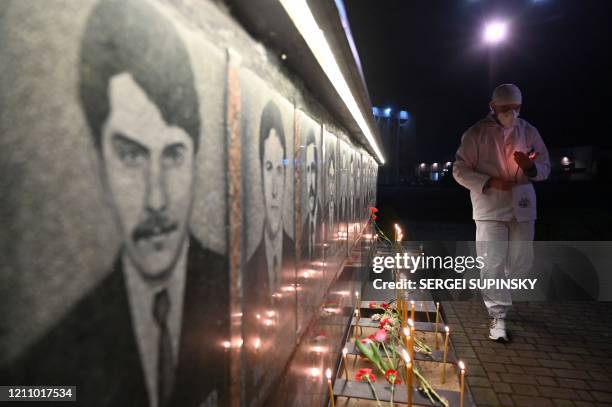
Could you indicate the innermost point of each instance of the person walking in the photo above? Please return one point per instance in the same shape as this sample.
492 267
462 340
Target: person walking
498 159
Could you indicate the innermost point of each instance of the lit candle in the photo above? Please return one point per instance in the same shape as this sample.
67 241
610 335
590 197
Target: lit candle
356 321
462 367
408 361
437 321
344 352
328 374
412 310
406 333
447 329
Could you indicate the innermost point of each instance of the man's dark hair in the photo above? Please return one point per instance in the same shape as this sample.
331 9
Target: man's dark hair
131 36
271 119
310 139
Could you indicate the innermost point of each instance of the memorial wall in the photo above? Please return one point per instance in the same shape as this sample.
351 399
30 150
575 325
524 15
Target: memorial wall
177 207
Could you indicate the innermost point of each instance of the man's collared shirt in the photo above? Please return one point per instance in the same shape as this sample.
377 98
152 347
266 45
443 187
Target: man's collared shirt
141 295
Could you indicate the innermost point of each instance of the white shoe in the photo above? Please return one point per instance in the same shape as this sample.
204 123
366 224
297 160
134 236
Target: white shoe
497 330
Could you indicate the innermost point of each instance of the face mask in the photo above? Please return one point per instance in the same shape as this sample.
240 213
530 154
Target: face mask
507 119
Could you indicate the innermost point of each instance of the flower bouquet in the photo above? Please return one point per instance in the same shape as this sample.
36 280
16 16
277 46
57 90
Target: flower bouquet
384 348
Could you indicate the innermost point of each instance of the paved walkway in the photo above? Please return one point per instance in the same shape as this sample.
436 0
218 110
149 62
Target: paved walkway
561 354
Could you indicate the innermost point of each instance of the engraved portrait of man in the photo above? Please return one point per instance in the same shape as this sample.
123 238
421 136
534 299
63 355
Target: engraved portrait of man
312 201
331 195
267 291
142 336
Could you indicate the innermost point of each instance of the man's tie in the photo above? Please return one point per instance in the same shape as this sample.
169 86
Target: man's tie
311 238
165 360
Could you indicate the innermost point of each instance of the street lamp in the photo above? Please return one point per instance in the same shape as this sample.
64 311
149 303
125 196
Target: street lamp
495 32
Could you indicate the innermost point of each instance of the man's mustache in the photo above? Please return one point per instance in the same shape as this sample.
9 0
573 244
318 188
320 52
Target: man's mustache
155 224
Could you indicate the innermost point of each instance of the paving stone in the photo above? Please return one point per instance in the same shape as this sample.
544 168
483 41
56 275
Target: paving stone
571 373
499 387
505 400
546 381
559 392
601 396
526 401
525 389
574 383
514 369
484 396
560 364
538 371
478 381
585 395
525 361
494 367
517 378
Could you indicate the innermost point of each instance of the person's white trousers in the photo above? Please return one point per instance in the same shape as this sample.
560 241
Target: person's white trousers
507 249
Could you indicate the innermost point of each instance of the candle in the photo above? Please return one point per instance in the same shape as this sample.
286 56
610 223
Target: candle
412 310
437 321
344 352
422 306
356 321
328 374
411 338
406 333
447 329
408 361
462 367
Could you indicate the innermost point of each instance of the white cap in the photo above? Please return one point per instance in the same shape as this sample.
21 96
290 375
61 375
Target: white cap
507 94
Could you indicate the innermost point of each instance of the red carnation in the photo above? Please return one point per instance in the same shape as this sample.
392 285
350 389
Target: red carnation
365 375
392 376
372 304
384 305
373 209
383 323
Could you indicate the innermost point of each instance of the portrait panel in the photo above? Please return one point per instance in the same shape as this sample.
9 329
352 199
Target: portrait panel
130 269
269 269
310 273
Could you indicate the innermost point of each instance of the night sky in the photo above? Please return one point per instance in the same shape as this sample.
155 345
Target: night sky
428 57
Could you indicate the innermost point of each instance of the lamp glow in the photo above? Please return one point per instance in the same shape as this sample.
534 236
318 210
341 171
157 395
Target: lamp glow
306 24
495 32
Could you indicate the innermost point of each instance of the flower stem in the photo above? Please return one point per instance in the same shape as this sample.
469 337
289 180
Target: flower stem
374 391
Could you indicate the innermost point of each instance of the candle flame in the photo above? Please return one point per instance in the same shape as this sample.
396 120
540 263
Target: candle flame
447 329
328 373
406 332
461 365
410 322
226 344
344 351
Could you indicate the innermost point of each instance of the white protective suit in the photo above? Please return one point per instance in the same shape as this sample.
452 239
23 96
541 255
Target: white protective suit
504 219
